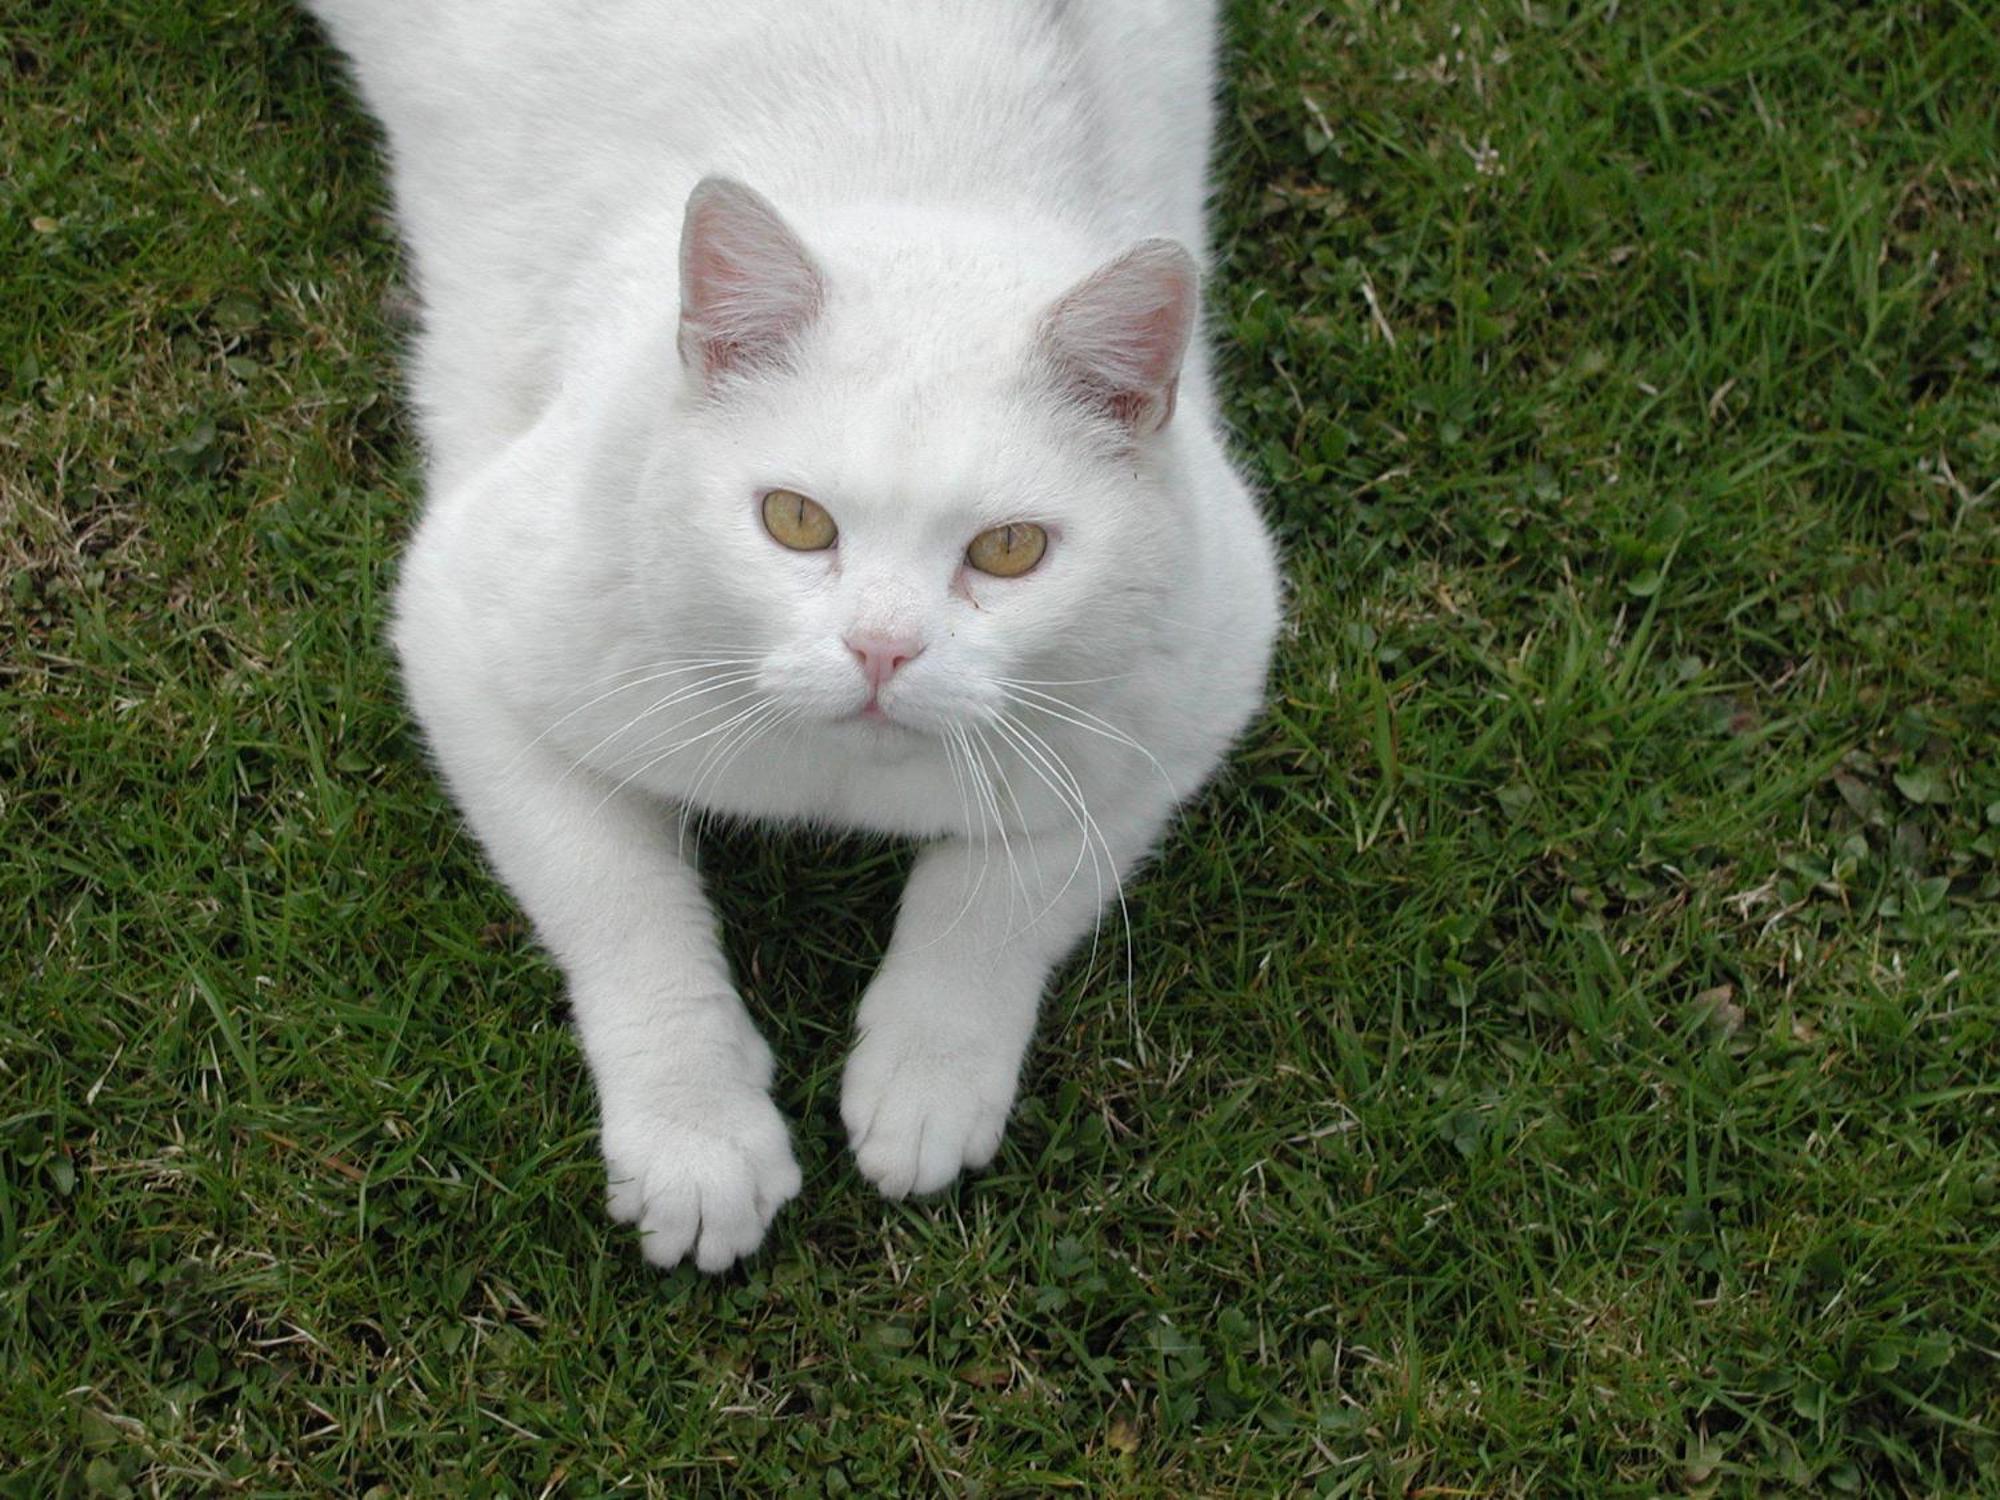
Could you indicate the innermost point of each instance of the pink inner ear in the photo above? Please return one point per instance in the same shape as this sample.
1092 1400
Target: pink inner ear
1119 336
748 286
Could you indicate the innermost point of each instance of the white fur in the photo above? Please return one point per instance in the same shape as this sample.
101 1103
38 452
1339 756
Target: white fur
600 637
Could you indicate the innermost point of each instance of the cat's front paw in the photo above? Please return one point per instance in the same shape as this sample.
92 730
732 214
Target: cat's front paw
701 1174
918 1113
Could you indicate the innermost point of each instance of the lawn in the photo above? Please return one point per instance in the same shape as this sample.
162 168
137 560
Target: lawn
1561 1057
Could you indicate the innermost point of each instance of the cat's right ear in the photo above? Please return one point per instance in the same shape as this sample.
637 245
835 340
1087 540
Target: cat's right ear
748 286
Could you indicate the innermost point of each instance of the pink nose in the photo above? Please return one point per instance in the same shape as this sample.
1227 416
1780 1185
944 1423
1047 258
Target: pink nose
881 655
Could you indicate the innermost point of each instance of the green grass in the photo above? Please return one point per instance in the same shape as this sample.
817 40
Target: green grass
1563 1056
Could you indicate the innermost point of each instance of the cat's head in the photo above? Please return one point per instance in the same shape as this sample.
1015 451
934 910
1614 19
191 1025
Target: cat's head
910 475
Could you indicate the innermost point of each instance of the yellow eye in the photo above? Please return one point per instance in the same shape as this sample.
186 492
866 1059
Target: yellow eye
1008 551
798 523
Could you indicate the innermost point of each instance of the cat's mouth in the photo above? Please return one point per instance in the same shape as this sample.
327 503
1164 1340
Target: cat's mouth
874 715
879 724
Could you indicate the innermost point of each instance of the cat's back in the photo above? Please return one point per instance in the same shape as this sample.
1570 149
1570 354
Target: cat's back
510 101
530 137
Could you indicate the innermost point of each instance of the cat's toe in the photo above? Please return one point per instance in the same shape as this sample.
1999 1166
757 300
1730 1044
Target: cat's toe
702 1181
625 1196
916 1120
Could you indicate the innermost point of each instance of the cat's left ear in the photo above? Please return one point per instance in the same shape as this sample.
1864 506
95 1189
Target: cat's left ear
1117 338
748 286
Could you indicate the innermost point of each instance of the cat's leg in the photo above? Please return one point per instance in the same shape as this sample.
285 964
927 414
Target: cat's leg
697 1154
943 1028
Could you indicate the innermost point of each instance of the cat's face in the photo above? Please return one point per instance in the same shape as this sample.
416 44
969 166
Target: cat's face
840 533
890 532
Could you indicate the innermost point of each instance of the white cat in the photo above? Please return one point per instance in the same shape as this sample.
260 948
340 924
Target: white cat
817 431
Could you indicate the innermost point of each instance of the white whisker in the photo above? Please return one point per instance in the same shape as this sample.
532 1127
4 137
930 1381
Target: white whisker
1111 858
652 672
974 778
1032 757
725 753
691 741
1069 713
950 740
1044 682
685 695
999 825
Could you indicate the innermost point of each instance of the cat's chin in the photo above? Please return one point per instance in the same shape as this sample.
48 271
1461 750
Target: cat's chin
877 738
873 726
